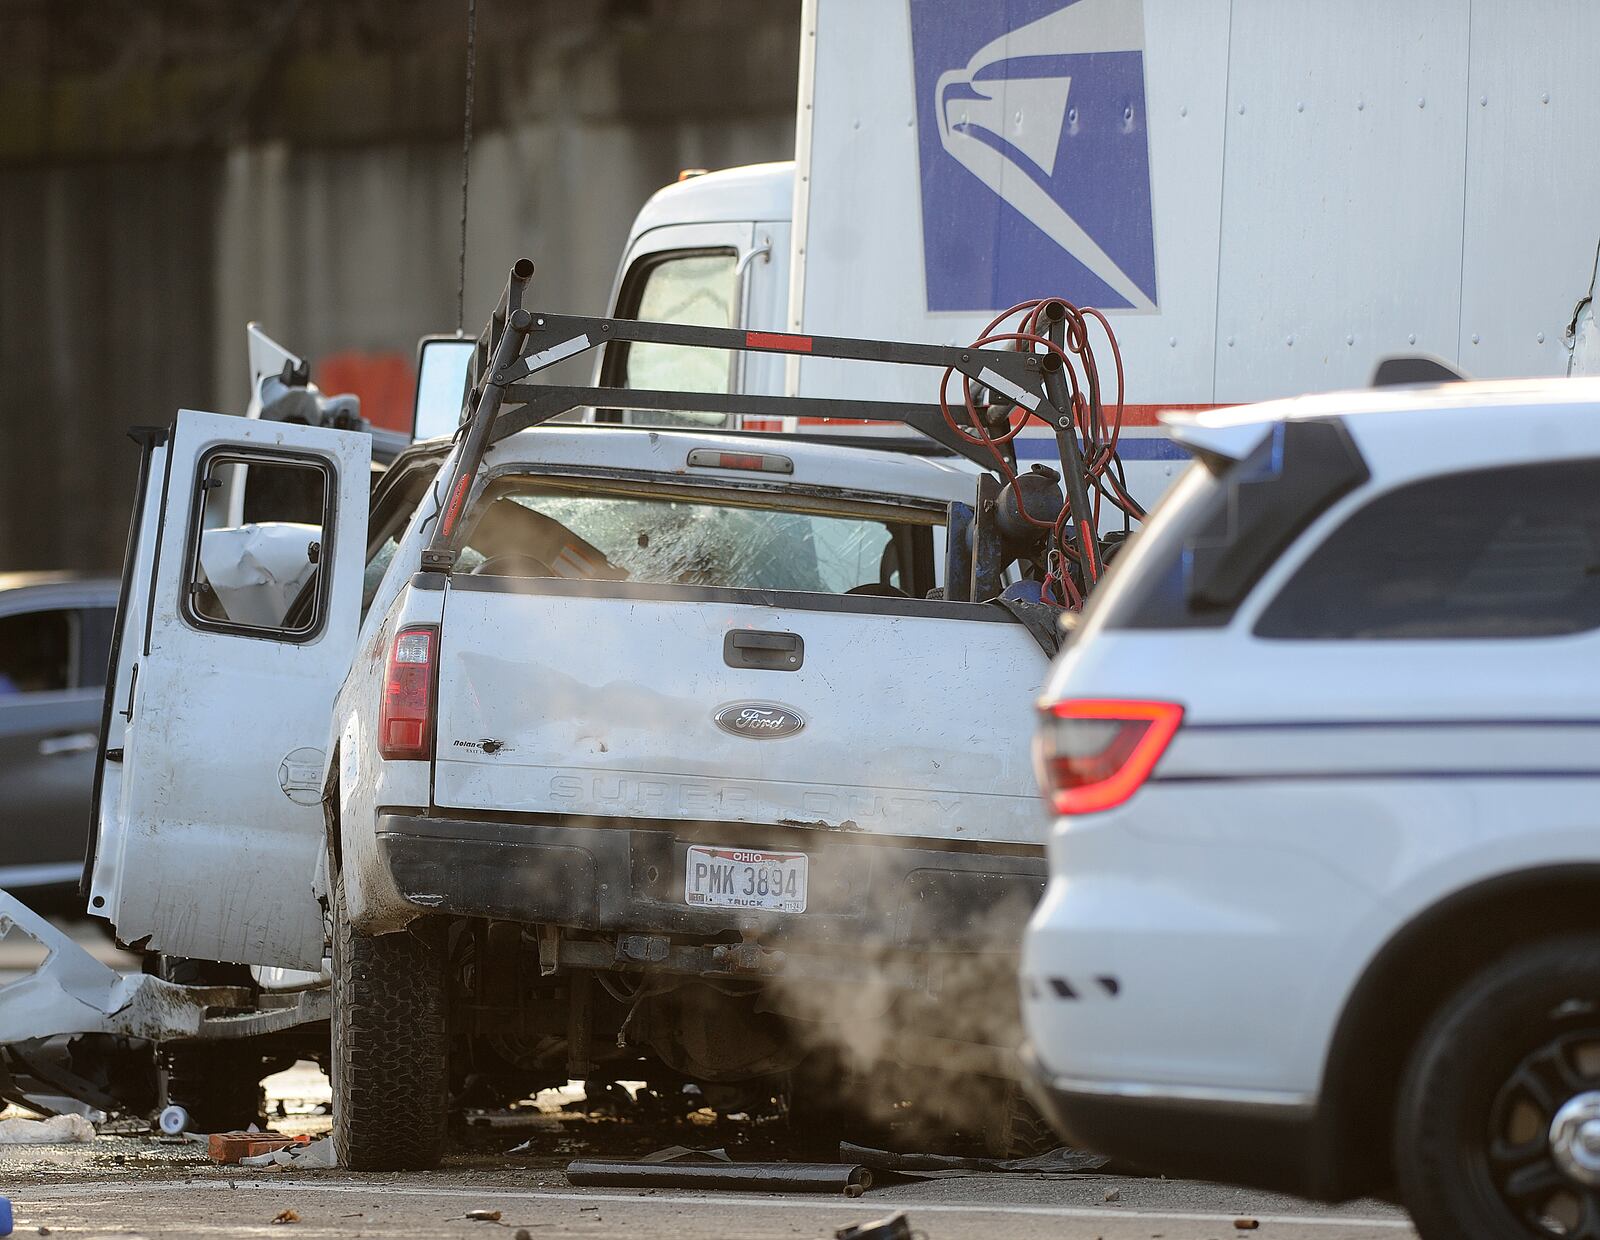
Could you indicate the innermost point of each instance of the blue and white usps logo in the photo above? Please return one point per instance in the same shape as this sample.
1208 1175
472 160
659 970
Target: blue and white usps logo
1034 152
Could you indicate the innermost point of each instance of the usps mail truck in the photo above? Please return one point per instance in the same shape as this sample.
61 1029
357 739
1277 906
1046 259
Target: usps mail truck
1265 197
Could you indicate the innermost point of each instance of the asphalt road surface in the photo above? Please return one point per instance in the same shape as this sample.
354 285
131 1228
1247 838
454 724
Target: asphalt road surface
141 1186
209 1202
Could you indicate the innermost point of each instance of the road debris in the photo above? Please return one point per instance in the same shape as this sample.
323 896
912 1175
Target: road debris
1246 1224
234 1147
1062 1160
484 1216
680 1167
57 1130
287 1216
894 1227
304 1153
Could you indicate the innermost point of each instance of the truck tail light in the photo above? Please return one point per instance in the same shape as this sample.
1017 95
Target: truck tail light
1092 754
405 719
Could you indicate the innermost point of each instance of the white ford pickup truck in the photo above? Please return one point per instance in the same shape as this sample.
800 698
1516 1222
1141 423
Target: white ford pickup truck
671 769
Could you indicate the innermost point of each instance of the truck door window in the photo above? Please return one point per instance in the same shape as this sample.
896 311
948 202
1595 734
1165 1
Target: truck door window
392 510
36 652
698 288
260 571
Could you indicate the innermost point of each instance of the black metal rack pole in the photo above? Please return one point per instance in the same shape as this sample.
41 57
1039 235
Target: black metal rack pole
1072 470
440 555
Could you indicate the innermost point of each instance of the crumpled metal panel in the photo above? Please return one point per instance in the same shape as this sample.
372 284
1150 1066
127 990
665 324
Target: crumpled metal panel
73 993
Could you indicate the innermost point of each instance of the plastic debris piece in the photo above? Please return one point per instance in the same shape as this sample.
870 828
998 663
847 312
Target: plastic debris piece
5 1216
1113 1194
304 1153
57 1130
1246 1224
174 1121
484 1216
287 1216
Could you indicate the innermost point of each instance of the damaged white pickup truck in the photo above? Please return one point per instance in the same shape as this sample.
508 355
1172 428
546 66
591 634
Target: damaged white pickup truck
597 752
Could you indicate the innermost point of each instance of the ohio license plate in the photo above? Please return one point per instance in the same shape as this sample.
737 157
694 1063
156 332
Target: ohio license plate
745 878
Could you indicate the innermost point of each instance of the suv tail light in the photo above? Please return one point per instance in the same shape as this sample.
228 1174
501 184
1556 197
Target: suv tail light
405 719
1092 754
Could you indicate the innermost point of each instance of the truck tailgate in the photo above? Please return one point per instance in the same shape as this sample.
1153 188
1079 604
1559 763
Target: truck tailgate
587 700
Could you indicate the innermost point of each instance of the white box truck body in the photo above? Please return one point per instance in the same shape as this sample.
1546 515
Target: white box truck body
1265 196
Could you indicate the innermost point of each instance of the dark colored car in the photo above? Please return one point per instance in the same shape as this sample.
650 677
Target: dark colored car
55 639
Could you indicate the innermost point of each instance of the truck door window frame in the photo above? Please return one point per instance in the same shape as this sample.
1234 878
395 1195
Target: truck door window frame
316 590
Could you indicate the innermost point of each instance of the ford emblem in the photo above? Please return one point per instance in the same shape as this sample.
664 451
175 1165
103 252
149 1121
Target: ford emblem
761 721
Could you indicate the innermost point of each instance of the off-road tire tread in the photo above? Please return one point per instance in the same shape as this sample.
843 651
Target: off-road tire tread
1487 1007
1030 1134
389 1047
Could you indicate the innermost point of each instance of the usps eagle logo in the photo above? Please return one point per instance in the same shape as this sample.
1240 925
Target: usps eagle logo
1034 149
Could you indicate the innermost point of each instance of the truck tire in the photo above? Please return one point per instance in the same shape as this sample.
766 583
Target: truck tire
388 1060
1016 1129
1516 1050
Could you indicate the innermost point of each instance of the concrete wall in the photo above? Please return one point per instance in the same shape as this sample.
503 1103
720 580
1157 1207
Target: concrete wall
300 165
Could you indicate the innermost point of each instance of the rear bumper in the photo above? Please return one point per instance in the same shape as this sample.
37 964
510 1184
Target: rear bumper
863 891
1234 1141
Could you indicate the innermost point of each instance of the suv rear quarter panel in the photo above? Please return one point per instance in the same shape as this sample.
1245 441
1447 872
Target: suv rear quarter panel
1320 796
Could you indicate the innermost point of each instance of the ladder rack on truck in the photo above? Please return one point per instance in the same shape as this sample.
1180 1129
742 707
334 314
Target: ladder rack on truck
518 343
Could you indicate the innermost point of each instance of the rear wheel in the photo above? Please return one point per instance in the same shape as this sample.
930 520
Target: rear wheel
1015 1129
388 1060
1498 1126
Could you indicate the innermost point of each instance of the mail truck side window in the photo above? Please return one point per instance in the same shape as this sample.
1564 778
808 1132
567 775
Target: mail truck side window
258 551
694 287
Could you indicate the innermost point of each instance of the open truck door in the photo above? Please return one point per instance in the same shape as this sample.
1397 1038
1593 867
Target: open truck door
240 605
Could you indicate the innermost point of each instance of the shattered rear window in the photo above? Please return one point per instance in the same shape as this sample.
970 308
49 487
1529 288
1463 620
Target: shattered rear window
529 530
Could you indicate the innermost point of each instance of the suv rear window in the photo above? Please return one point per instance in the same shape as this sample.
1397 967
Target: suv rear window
1493 553
533 528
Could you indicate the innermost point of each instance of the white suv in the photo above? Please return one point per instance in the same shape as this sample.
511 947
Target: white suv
1324 905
